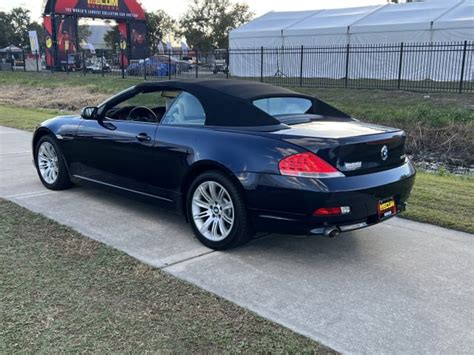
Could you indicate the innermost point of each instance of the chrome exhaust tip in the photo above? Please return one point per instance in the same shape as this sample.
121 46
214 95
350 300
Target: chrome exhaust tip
331 232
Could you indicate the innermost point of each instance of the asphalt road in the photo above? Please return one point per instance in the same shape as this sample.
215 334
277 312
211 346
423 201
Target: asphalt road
398 287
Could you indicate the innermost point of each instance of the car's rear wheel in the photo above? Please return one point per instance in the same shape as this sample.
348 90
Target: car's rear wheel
50 164
217 212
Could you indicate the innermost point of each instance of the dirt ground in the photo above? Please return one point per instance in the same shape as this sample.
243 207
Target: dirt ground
58 98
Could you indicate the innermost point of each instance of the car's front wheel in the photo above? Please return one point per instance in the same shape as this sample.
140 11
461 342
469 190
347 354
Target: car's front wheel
50 164
217 212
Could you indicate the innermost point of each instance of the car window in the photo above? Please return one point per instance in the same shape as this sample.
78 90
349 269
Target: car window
186 109
283 105
142 107
146 99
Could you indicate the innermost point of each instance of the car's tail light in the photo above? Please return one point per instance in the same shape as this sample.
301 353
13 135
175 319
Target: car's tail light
331 211
307 165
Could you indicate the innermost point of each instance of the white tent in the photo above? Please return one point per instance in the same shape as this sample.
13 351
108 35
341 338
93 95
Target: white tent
418 22
11 48
456 24
325 27
266 30
409 23
445 20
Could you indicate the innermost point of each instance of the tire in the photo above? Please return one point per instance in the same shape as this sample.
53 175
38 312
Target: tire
48 155
220 233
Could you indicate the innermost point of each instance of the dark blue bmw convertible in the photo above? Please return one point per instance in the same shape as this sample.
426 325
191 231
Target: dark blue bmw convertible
234 157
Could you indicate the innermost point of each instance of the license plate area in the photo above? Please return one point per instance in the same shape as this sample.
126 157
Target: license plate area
386 208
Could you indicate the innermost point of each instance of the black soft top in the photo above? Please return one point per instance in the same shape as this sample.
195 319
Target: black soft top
230 102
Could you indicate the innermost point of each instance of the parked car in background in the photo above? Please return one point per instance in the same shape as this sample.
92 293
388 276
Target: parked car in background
157 65
98 65
219 64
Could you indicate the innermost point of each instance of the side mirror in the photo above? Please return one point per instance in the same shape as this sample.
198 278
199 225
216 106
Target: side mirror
89 113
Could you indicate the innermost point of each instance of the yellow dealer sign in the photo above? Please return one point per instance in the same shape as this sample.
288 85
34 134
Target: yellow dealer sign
113 3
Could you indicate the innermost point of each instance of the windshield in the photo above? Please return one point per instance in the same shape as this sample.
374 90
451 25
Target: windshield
277 106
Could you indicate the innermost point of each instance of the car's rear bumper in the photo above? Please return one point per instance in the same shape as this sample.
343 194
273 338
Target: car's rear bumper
285 204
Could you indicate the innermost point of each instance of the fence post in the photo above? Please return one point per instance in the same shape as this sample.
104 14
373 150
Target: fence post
197 63
169 64
347 65
400 66
53 60
67 62
301 66
461 80
24 60
84 69
261 64
102 64
227 60
122 62
9 56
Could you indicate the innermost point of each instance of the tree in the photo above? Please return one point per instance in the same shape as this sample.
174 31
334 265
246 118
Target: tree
112 38
207 23
83 33
20 21
160 25
6 29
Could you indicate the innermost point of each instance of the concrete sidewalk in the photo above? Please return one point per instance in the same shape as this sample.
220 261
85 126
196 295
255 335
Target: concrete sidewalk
399 287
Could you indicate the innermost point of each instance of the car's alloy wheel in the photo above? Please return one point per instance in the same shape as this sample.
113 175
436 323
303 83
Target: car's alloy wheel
48 162
216 210
213 211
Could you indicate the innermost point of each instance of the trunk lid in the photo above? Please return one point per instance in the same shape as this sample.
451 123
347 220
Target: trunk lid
352 147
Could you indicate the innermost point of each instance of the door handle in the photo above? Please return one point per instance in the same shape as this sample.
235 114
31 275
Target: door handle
143 137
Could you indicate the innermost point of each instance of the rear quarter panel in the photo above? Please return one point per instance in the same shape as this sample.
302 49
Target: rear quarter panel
180 149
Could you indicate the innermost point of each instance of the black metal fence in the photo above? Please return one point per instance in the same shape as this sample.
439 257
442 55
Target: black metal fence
431 67
427 67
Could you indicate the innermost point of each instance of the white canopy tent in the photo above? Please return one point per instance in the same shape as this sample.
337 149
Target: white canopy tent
266 30
456 24
408 23
325 27
418 22
446 20
11 48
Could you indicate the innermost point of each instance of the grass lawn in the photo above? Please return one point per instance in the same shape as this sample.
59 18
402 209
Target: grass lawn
446 201
93 82
26 119
63 292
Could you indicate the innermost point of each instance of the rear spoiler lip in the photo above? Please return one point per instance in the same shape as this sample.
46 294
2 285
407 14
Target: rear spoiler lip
314 144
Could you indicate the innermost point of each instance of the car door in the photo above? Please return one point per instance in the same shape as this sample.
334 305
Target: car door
116 152
175 144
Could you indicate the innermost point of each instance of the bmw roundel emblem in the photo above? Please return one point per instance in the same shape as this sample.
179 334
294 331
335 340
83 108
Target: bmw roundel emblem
384 153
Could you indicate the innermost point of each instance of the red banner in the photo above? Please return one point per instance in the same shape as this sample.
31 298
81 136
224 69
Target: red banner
112 9
48 36
122 27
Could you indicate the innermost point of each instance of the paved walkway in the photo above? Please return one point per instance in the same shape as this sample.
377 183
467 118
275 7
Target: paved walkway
399 287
